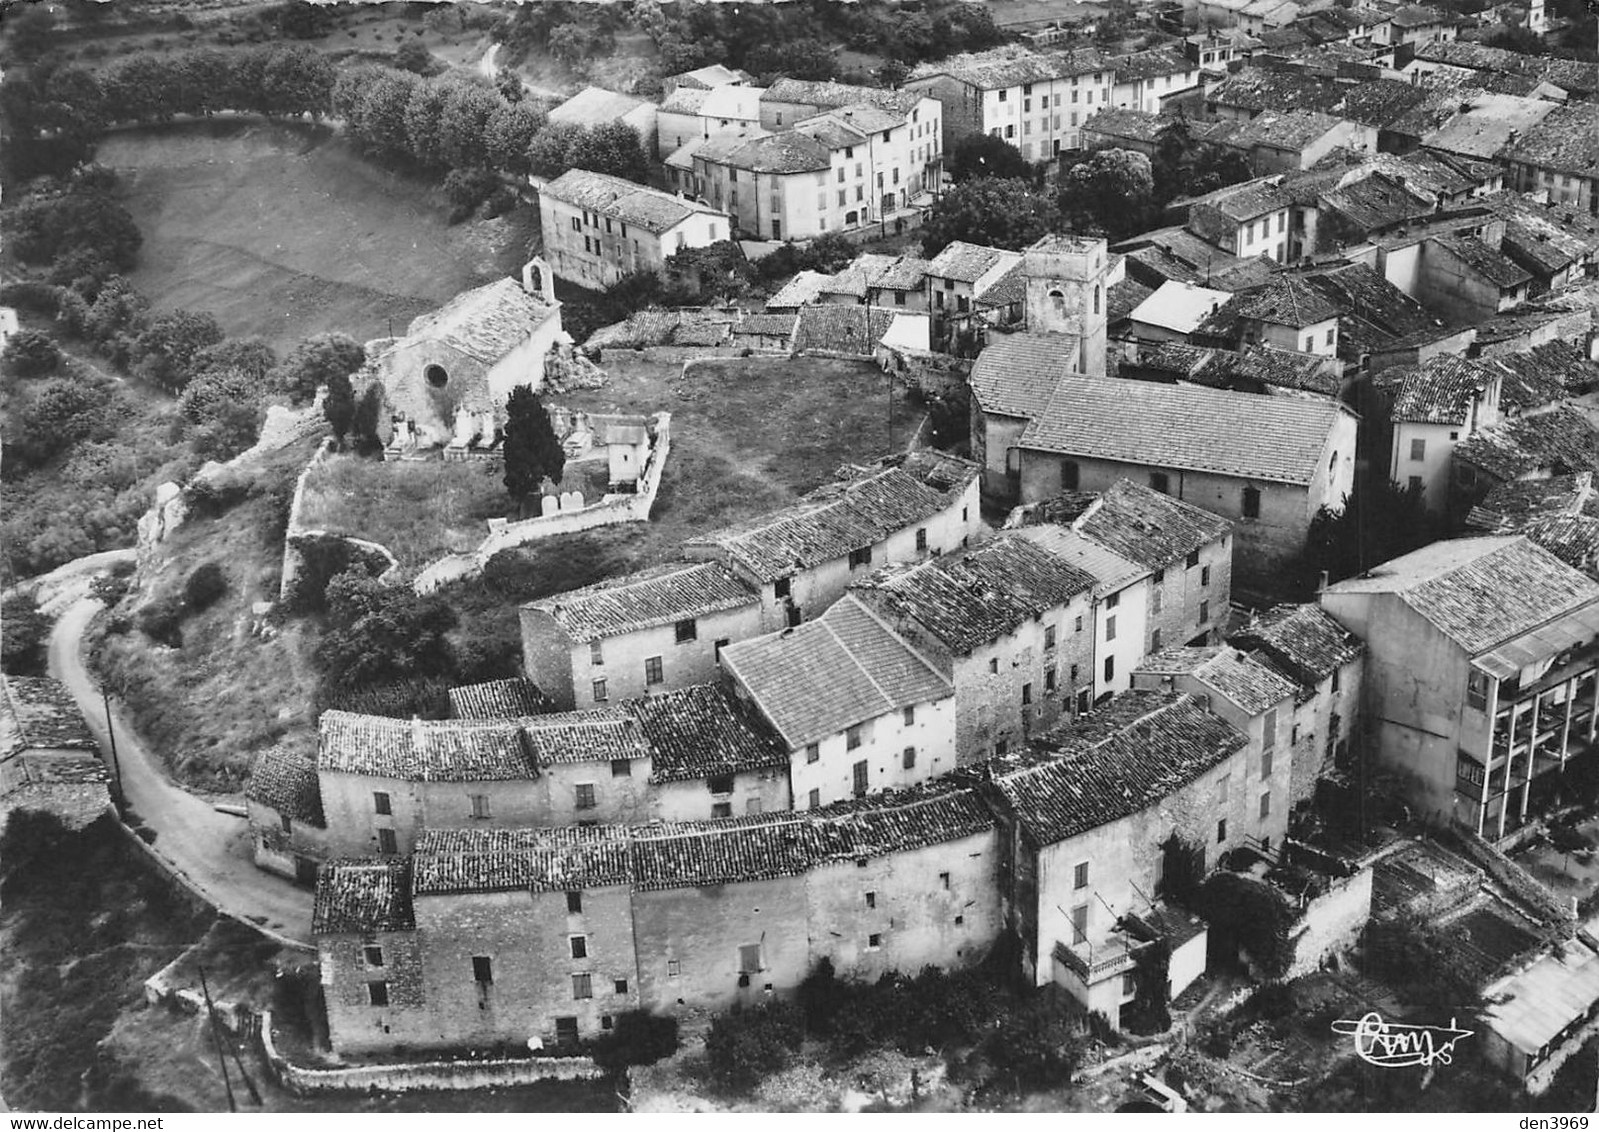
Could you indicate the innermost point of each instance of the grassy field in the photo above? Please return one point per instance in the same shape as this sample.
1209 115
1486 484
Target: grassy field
748 435
420 510
285 232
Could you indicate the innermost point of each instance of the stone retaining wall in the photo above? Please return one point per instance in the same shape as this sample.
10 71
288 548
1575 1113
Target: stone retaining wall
1514 879
422 1076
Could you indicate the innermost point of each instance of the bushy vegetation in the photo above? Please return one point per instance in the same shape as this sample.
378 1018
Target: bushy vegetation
1249 915
24 636
745 1046
637 1038
378 634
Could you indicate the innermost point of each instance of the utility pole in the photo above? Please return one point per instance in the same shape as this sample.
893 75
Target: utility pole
116 763
216 1037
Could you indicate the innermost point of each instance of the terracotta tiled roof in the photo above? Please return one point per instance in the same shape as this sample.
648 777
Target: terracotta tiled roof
1276 439
500 860
1005 67
486 322
286 781
831 94
828 523
594 105
1486 127
1567 141
1111 572
976 598
967 263
1485 261
39 713
1172 741
1129 125
1150 64
594 735
1574 539
1372 311
1374 102
1480 592
497 699
798 291
1377 202
788 151
1440 390
701 732
361 896
902 273
1016 374
1287 300
630 203
422 750
1302 640
1148 526
1510 505
660 595
841 326
820 678
1233 675
1558 442
1121 299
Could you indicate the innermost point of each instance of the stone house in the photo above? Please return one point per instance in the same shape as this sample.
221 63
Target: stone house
998 624
49 759
1560 441
1086 822
1265 463
1147 80
1327 662
711 756
456 366
599 228
1187 550
803 557
961 278
688 114
1249 219
1034 101
1482 675
1435 404
858 709
1117 628
652 631
283 804
1173 312
1288 313
452 953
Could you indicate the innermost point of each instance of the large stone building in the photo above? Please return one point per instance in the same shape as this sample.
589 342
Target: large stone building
803 557
598 228
1482 675
1033 101
656 630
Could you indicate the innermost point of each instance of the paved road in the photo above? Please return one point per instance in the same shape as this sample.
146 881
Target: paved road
211 849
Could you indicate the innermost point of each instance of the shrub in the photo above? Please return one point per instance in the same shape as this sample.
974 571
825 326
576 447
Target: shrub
111 587
23 636
215 495
745 1046
162 620
639 1038
465 189
205 586
1038 1042
32 295
31 353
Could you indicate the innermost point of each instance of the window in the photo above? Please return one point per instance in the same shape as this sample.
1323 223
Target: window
859 783
921 538
1110 669
943 880
1049 679
1080 924
1161 482
1335 681
619 986
1002 94
380 803
852 737
1193 559
599 691
815 800
582 986
1079 625
1249 232
861 557
910 716
652 671
674 968
993 666
777 225
1204 575
749 958
685 631
1080 875
908 758
596 653
1113 601
480 805
1414 483
1157 598
387 843
1268 738
1251 503
1265 805
874 941
574 903
1204 612
1310 343
1049 636
377 992
1265 763
1477 690
585 795
1110 628
373 956
780 588
871 900
1068 475
286 823
577 225
1221 831
1331 335
1222 784
721 784
1154 639
1418 449
1129 983
1027 694
482 969
621 768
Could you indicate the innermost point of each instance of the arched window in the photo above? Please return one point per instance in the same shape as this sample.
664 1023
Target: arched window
1057 303
436 376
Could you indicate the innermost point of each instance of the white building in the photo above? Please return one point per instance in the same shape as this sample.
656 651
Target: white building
599 228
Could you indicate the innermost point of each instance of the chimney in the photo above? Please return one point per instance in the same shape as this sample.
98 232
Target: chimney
1321 584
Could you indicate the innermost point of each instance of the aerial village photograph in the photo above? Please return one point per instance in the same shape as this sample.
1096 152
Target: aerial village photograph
822 556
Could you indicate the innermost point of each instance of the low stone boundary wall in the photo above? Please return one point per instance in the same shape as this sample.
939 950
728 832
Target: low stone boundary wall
1330 922
423 1076
1513 878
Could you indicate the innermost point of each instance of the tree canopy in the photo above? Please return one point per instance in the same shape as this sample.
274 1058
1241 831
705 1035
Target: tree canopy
992 211
532 451
1109 192
983 155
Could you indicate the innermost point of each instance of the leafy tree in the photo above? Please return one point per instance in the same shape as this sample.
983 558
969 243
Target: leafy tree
532 451
717 271
249 356
338 407
508 135
465 189
509 85
304 20
368 413
1110 192
164 351
315 361
1185 167
611 147
1038 1041
26 635
807 58
988 210
31 31
465 124
205 586
413 56
1380 521
45 228
747 1045
379 633
297 80
548 154
1514 37
31 353
637 1038
983 155
61 412
223 406
424 117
